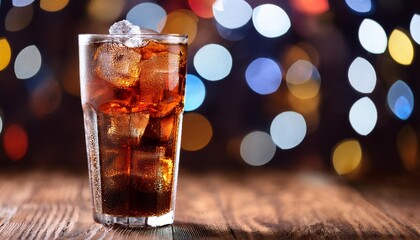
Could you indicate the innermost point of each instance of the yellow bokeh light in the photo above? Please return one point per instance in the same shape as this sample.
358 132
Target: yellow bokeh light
400 47
407 145
5 53
105 10
182 22
53 5
347 156
306 90
196 132
292 54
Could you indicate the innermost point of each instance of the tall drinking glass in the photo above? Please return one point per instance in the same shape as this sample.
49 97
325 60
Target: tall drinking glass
132 93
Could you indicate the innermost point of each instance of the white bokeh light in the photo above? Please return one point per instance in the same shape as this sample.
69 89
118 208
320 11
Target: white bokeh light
270 20
213 62
362 75
288 129
363 116
28 62
232 13
257 148
415 28
372 36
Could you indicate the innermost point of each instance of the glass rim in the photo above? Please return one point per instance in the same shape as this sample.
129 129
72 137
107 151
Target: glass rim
171 37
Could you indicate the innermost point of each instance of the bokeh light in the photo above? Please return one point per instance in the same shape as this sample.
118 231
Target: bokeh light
230 34
213 62
303 79
21 3
309 108
270 20
183 22
195 92
203 8
53 5
362 75
360 6
347 156
288 129
400 47
407 144
372 36
363 116
257 148
18 18
1 123
400 100
311 7
232 13
196 132
415 28
263 76
105 10
15 142
148 15
5 53
28 62
45 98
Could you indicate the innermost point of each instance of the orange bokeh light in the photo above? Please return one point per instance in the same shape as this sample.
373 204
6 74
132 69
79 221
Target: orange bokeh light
311 7
15 142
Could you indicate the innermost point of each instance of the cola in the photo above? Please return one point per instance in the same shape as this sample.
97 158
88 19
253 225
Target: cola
133 101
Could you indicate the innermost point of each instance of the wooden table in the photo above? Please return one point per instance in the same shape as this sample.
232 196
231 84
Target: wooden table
261 204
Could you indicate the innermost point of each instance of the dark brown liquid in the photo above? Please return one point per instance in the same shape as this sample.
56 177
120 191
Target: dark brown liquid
126 200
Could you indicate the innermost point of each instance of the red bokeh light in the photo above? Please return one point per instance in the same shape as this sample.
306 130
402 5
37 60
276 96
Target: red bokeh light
203 8
15 142
311 7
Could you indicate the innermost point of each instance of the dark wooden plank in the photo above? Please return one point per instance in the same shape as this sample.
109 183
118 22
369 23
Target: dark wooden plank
240 205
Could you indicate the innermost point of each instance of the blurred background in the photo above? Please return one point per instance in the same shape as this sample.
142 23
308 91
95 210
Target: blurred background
294 84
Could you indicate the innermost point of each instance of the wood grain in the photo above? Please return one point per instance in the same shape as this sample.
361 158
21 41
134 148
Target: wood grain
229 205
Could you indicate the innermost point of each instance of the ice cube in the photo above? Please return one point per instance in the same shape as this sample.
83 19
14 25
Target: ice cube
124 27
138 123
117 64
160 128
165 174
157 74
119 126
144 167
152 170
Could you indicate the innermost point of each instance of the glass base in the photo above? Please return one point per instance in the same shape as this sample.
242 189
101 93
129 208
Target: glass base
134 222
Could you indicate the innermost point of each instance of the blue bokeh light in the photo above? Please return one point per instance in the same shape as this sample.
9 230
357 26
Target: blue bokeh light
263 76
195 92
21 3
402 108
147 15
360 6
401 100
